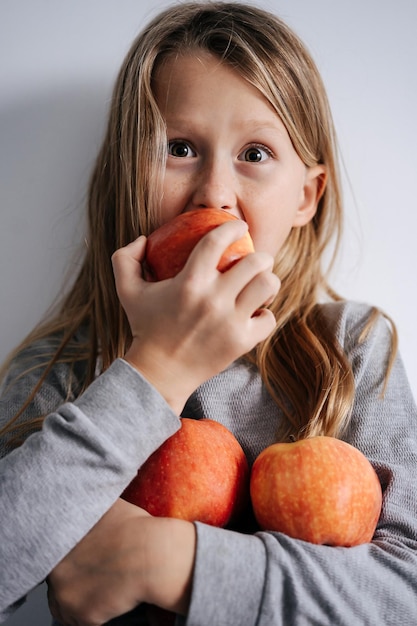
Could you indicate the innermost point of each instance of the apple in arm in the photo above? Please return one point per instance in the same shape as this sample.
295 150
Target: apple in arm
199 474
321 490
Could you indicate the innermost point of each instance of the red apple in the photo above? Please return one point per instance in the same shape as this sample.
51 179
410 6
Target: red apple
321 490
199 474
169 246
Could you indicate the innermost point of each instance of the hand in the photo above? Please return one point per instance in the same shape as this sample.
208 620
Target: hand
189 328
129 557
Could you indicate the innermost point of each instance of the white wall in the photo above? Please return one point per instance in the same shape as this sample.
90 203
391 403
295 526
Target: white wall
58 61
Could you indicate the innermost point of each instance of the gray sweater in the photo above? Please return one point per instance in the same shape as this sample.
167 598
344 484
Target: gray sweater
61 481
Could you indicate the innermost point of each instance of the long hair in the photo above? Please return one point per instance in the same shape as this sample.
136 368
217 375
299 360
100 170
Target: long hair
302 364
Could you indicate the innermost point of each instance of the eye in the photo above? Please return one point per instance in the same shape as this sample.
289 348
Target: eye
180 149
255 154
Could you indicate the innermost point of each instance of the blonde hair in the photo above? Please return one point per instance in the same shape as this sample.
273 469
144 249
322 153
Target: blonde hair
302 364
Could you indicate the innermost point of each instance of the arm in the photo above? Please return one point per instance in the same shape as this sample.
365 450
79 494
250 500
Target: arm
51 488
190 328
103 437
129 557
269 578
201 310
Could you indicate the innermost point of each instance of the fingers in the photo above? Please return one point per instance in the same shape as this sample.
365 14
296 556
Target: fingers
209 250
262 288
126 266
251 280
228 308
134 250
250 283
262 323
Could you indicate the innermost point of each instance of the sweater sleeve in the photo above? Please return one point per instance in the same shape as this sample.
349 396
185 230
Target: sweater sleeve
269 579
58 484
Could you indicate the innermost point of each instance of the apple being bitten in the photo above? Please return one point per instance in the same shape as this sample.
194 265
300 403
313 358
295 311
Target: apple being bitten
199 474
169 246
320 489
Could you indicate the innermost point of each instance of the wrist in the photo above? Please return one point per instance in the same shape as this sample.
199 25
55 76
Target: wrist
163 375
170 545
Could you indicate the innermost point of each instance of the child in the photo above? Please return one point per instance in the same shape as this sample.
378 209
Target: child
217 105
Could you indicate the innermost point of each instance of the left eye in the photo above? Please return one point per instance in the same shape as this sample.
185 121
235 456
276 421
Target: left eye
255 154
180 149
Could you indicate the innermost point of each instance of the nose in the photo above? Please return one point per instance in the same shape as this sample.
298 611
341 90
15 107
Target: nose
215 187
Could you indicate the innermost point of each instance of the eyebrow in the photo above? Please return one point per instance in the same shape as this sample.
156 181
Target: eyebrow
252 124
256 125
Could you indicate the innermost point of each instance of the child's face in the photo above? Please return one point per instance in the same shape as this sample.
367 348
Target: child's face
229 149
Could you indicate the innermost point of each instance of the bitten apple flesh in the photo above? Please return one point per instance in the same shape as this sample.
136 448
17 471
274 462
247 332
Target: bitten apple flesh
169 246
320 489
199 474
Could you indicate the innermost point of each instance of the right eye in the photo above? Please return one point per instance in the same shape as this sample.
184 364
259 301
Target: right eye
180 149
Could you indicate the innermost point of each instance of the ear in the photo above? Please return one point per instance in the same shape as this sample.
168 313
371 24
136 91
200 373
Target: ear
314 186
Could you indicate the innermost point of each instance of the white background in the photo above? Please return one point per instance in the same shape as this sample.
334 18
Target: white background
58 61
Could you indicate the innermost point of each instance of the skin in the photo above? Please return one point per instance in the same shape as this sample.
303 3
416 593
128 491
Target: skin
124 560
231 153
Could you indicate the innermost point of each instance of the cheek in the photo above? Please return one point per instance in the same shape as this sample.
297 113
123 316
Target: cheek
173 200
270 232
270 242
272 222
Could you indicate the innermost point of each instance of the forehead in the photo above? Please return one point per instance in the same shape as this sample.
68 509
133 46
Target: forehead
198 80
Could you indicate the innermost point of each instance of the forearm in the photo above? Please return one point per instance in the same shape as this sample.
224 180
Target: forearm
267 578
66 477
128 558
169 546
